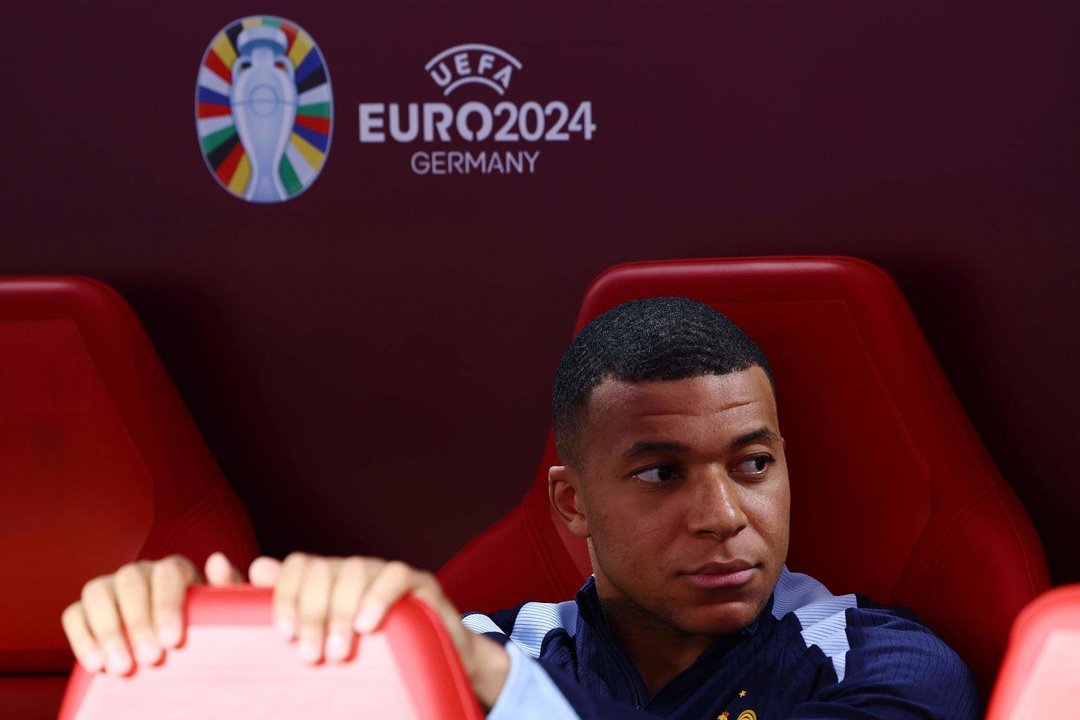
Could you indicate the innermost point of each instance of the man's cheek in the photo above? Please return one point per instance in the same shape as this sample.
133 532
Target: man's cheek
654 532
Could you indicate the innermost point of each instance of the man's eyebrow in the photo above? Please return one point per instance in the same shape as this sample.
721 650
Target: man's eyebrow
756 436
647 447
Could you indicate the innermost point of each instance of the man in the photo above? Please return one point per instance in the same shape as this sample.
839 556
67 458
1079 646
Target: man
674 471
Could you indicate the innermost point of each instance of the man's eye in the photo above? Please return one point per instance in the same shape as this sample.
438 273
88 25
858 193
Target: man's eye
756 465
657 474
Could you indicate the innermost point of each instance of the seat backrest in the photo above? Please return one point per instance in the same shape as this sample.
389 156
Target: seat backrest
100 462
234 666
1040 677
893 494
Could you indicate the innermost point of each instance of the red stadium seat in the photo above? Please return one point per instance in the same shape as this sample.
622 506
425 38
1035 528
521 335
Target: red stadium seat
1040 677
893 494
102 464
234 666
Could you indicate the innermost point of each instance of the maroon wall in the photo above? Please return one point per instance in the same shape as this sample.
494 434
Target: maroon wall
371 361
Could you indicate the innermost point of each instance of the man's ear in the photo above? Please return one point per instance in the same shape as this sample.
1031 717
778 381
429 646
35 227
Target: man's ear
564 492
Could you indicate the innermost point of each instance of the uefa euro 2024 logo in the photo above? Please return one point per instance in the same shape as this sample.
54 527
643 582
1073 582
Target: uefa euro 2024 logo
263 109
500 138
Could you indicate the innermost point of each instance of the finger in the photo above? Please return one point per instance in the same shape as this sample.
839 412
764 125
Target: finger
475 651
393 581
103 617
312 607
86 650
433 596
286 593
220 572
132 586
353 577
169 581
264 572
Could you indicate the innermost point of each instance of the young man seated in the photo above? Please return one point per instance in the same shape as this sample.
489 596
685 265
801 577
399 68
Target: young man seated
674 471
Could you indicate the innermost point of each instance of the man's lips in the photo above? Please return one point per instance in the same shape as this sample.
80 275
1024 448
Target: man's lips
730 574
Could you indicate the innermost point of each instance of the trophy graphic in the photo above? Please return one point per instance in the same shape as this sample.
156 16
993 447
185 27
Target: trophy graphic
263 100
264 109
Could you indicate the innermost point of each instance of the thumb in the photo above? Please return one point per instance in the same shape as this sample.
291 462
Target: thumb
219 571
264 571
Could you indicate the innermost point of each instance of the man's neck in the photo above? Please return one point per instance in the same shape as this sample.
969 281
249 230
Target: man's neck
657 650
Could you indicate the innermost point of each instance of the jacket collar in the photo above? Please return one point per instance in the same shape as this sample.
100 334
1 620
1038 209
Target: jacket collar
599 655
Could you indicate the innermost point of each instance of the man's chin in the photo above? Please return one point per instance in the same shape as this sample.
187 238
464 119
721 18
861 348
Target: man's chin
720 619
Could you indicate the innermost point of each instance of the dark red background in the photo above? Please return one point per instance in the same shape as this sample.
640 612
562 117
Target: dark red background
371 362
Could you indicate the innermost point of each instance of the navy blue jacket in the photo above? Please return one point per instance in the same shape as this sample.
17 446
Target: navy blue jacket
809 654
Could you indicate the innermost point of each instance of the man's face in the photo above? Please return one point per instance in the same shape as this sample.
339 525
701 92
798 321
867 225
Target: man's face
683 494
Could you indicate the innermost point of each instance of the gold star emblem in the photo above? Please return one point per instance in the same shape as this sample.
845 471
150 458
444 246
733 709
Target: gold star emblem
742 693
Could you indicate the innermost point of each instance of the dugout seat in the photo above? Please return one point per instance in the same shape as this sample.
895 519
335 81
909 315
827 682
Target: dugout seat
893 494
1040 677
100 464
234 666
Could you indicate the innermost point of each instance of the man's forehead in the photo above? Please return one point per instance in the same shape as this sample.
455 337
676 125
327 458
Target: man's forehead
729 405
709 414
700 392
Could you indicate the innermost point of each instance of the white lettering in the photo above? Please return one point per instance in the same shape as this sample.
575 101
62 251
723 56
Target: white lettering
503 76
413 130
438 163
454 162
486 121
371 123
446 118
441 75
531 157
420 163
461 64
506 122
457 163
582 121
487 60
533 134
474 162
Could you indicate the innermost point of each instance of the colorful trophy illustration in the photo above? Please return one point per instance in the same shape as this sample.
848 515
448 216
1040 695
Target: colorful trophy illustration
263 102
263 109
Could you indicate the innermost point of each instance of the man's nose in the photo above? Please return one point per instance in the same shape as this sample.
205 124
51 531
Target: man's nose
716 505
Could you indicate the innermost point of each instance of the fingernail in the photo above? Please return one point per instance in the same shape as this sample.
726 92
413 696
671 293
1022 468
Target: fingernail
149 652
309 651
285 628
366 621
169 635
91 660
336 647
118 663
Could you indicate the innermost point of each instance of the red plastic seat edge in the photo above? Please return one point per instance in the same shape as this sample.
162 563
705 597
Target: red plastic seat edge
1054 609
422 648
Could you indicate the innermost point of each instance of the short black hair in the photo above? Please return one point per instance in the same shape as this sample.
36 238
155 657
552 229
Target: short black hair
668 338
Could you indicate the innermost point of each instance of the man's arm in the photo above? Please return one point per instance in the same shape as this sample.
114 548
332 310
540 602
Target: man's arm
539 687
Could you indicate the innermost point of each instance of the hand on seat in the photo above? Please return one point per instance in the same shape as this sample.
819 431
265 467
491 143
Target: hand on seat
319 602
146 598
